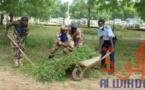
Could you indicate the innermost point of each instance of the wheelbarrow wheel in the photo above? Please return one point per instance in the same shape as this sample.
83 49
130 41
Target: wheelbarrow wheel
76 74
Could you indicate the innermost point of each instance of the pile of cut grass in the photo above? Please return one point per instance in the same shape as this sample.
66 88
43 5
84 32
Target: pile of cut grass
55 69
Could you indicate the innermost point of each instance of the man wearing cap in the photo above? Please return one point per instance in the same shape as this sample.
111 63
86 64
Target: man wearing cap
107 41
63 39
76 34
19 36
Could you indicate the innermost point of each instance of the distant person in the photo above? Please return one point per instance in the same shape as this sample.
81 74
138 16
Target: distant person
7 20
76 34
1 20
63 39
107 40
19 36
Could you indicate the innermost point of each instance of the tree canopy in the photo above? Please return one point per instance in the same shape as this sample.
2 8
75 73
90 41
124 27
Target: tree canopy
44 9
32 8
140 8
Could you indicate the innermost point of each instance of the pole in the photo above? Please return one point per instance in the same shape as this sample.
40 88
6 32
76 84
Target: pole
68 15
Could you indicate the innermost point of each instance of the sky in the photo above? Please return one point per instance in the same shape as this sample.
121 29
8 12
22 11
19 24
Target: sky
70 1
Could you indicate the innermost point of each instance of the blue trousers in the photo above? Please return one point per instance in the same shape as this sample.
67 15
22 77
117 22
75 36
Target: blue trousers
107 44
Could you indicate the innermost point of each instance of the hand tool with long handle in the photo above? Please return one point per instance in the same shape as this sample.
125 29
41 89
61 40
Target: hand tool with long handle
21 51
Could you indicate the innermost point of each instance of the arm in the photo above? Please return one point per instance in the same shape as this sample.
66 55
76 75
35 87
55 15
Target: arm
111 41
100 43
59 42
79 34
10 25
111 37
71 42
100 40
78 37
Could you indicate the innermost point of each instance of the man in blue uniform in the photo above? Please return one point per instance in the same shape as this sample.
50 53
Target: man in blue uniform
107 40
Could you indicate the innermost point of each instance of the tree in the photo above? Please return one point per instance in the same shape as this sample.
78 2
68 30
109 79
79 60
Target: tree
32 8
79 9
59 9
139 5
90 3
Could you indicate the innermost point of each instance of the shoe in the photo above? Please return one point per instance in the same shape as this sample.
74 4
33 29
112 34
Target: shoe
50 56
16 62
20 62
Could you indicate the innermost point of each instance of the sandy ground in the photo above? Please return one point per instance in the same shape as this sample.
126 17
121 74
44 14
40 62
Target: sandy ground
10 81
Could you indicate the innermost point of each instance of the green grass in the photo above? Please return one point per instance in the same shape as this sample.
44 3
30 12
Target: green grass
41 39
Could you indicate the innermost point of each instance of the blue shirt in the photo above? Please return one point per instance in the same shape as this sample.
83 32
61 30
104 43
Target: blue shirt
106 33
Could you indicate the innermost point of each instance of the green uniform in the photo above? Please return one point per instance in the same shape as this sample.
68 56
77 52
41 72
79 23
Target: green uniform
78 37
68 42
19 37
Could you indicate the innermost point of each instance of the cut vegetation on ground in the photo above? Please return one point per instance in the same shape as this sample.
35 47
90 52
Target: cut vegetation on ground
40 41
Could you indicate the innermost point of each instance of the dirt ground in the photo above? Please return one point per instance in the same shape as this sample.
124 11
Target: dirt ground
11 81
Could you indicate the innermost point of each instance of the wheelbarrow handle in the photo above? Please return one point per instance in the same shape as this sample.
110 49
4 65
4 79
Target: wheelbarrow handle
95 63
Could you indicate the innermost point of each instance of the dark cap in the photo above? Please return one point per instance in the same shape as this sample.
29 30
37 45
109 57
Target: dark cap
24 19
101 21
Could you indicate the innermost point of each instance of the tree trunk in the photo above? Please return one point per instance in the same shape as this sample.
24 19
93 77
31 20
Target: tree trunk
2 18
89 15
11 17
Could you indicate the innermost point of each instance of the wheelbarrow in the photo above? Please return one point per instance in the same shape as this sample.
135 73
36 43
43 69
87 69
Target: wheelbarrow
78 73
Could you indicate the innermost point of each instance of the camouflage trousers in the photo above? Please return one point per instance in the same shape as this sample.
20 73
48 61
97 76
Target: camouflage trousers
79 42
65 50
18 57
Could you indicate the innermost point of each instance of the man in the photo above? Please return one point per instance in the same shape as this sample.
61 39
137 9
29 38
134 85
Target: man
7 20
19 36
105 33
76 34
63 39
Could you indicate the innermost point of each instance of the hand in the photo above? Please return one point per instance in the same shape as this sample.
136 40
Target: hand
74 49
111 49
65 45
100 50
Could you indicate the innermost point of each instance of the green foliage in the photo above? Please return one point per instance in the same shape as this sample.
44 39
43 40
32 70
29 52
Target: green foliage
90 31
107 9
60 10
37 49
140 8
44 9
32 8
75 9
118 28
55 69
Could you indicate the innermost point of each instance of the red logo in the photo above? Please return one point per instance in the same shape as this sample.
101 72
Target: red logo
140 58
